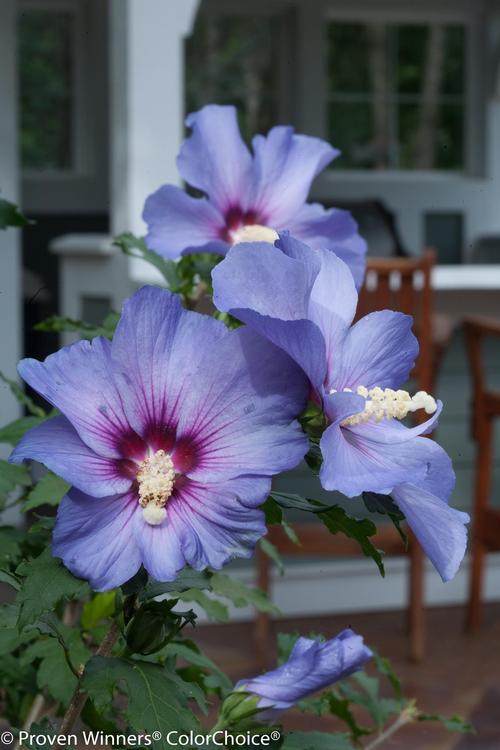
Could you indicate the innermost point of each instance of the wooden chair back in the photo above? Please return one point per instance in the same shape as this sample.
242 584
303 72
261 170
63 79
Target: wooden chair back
485 535
405 285
486 401
402 284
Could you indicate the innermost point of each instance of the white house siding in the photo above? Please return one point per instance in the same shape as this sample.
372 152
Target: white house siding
10 284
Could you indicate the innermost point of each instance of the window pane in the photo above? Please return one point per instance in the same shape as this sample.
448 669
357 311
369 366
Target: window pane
410 79
351 130
348 70
411 56
234 60
45 80
450 137
408 118
444 141
454 62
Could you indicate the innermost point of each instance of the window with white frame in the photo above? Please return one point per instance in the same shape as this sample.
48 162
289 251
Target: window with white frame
46 49
396 94
237 57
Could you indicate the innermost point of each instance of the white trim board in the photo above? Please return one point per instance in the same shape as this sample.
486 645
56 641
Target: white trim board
349 586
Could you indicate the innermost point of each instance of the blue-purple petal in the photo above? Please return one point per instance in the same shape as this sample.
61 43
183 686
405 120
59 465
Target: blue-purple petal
179 224
214 158
379 350
285 164
269 290
242 415
79 380
159 347
311 666
56 445
440 529
335 230
354 463
94 538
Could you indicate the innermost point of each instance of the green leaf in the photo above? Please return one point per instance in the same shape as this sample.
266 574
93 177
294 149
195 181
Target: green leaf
384 666
242 595
272 511
451 723
12 476
157 699
22 398
270 550
10 215
135 247
285 642
385 505
45 728
213 608
340 707
10 541
190 652
187 579
9 634
380 709
69 639
60 324
316 741
336 520
10 579
53 672
46 582
287 500
101 606
14 431
50 490
314 458
291 533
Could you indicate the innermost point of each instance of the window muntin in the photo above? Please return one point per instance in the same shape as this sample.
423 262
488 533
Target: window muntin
396 95
46 104
233 59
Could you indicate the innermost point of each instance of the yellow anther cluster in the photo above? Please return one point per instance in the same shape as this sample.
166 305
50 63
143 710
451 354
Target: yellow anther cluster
388 404
156 478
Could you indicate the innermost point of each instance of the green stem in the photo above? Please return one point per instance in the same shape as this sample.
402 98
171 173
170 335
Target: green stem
79 698
405 717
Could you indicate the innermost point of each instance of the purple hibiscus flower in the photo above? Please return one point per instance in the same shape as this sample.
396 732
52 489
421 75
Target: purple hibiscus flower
304 302
249 196
311 666
169 435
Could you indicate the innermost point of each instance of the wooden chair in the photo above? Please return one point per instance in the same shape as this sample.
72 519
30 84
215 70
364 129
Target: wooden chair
402 284
485 408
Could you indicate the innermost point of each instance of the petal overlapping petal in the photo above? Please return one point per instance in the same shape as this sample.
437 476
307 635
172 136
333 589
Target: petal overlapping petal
160 348
285 164
269 290
440 530
57 445
354 463
93 403
379 350
179 224
332 229
207 525
241 418
214 158
94 538
311 666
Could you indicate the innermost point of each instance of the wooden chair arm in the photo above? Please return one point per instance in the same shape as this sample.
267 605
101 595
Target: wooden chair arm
476 325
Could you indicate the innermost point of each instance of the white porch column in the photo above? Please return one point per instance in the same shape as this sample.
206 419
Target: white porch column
10 264
146 120
147 104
